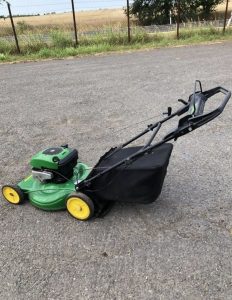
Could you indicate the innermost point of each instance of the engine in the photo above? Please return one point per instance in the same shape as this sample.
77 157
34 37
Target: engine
54 164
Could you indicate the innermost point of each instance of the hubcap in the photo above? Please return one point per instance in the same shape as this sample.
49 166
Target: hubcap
78 208
11 195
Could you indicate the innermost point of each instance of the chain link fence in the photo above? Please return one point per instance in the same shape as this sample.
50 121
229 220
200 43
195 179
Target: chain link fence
94 19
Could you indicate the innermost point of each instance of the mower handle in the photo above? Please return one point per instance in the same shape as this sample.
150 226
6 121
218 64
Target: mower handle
188 123
195 117
200 100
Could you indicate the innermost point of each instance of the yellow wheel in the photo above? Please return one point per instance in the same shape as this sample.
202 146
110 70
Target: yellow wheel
80 206
13 194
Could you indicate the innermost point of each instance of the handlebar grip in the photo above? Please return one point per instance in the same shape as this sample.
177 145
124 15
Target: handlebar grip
227 96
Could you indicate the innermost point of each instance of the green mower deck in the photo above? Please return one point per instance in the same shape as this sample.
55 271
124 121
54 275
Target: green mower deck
52 196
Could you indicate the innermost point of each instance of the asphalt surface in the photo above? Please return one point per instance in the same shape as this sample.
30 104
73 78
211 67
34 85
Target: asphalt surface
178 247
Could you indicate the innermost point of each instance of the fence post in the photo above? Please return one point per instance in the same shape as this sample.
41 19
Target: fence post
226 12
128 21
74 23
178 20
13 27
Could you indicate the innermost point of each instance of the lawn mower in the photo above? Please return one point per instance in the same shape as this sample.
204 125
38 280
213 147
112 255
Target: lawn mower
123 174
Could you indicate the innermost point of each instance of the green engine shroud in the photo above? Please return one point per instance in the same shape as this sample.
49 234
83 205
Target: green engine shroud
50 159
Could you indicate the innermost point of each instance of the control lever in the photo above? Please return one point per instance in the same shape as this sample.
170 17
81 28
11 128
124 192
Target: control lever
183 101
169 112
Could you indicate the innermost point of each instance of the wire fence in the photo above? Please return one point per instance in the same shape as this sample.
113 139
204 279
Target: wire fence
43 22
186 25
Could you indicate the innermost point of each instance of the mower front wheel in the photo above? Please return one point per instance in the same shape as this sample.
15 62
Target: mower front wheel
80 206
13 194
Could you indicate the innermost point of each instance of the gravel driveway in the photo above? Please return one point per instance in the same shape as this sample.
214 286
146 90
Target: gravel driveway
178 247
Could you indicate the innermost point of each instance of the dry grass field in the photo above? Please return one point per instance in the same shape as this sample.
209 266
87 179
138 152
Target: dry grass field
99 31
85 19
222 6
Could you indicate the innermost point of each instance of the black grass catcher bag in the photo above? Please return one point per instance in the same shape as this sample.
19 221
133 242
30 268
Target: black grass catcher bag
139 181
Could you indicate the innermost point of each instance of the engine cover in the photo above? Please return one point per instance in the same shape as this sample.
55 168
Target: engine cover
60 161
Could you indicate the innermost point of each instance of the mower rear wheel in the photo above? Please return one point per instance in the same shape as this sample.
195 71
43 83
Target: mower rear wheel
13 194
80 206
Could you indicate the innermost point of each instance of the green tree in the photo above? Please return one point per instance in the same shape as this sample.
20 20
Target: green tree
206 8
150 12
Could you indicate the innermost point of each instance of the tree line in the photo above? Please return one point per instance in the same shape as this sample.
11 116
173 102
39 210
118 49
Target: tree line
159 12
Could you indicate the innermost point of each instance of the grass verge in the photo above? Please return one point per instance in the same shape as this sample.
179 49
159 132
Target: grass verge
59 44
